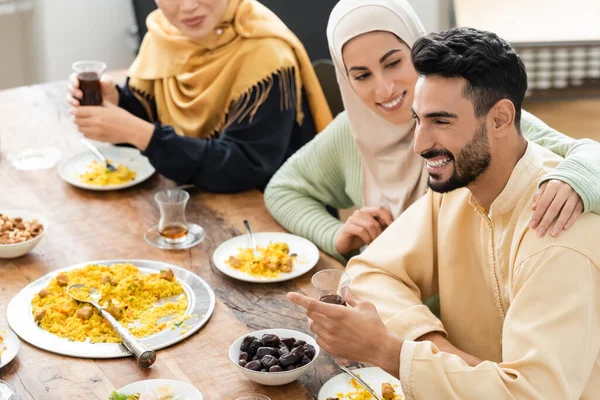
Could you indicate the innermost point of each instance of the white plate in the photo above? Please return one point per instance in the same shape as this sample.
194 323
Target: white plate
308 255
201 306
373 376
11 342
70 169
179 388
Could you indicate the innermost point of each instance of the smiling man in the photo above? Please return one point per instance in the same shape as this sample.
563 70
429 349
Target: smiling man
520 315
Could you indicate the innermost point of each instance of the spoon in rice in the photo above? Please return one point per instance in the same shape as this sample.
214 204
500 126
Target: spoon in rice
249 231
144 356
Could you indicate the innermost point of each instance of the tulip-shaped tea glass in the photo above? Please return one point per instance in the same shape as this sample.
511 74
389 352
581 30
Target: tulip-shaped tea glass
173 232
331 285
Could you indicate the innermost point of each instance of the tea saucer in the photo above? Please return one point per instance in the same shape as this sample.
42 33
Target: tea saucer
194 236
35 159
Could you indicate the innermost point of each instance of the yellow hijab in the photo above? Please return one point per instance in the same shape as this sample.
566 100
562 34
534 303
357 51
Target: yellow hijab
201 87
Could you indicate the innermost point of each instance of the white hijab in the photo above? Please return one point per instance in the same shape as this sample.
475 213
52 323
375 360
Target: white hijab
393 175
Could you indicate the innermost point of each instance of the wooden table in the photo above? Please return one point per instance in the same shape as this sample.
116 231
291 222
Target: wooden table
85 226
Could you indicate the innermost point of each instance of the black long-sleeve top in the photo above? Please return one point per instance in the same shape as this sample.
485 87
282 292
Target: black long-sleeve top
242 157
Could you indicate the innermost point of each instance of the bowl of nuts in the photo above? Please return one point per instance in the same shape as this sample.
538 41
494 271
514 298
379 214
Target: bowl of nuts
274 357
20 232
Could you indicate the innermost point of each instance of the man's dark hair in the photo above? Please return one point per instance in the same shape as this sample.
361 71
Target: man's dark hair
491 67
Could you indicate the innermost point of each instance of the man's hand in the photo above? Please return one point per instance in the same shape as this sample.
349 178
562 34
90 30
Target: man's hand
355 333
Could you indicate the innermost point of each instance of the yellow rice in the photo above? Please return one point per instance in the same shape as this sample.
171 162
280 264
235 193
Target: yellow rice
135 292
97 174
257 265
361 393
2 346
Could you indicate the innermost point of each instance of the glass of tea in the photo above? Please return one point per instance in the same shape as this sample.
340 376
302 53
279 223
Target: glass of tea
89 74
172 226
331 285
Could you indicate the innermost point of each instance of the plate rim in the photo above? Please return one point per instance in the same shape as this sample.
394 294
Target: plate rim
374 368
9 332
63 175
250 278
162 380
118 350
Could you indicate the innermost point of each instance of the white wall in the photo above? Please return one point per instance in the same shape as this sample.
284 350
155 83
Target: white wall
435 14
14 68
40 45
66 31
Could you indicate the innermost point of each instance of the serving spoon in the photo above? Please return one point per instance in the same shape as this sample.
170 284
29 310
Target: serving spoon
144 356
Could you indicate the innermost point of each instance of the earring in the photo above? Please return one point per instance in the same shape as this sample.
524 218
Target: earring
219 31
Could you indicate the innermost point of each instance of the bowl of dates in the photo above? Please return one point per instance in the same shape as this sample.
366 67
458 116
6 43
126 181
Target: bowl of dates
274 357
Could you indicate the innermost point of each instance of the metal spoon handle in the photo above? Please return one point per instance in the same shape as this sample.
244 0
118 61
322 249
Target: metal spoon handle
144 356
247 225
363 383
94 150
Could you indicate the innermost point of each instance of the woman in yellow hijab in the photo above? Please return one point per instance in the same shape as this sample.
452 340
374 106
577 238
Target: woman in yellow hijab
220 95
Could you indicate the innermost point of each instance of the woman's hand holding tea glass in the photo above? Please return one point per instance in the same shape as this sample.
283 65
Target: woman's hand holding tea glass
100 118
111 124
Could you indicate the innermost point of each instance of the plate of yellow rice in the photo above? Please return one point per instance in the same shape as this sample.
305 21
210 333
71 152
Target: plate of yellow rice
279 257
343 387
85 171
161 304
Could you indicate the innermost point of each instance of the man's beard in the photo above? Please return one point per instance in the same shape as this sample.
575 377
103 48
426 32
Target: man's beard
473 160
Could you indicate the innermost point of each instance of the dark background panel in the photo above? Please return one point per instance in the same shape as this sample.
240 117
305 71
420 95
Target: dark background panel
306 18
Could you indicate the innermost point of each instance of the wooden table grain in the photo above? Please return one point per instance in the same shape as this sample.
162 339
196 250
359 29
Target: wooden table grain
86 225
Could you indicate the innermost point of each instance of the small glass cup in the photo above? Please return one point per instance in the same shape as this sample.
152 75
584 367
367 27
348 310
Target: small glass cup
89 74
332 286
172 226
6 391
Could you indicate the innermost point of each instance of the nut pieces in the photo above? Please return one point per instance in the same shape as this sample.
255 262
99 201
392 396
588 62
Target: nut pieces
16 230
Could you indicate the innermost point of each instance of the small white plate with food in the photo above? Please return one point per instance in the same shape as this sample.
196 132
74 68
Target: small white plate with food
344 387
279 257
20 232
85 171
9 346
157 389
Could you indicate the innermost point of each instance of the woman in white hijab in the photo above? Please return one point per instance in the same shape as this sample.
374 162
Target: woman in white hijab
365 157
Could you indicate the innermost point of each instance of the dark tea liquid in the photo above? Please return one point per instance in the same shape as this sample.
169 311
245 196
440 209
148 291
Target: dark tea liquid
333 299
89 83
174 232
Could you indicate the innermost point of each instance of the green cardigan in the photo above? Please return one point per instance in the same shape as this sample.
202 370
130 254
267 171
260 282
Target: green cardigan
328 171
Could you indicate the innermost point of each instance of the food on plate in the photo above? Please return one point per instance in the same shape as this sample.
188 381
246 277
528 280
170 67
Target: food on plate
2 346
62 279
97 174
16 230
161 393
360 393
387 391
128 295
85 313
167 275
273 354
269 262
